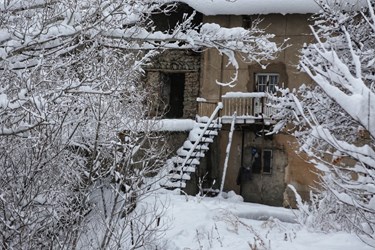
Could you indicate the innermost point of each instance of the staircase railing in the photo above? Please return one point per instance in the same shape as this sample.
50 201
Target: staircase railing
189 154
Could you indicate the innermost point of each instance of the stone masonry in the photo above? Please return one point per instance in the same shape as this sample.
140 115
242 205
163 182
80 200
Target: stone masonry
178 61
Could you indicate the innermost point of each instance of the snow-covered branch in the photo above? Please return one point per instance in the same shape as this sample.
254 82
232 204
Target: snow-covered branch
70 161
334 120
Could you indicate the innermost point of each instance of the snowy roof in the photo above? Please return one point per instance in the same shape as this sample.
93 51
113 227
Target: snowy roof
250 7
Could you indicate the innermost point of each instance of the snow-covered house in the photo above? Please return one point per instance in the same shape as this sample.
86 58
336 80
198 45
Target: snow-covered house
186 82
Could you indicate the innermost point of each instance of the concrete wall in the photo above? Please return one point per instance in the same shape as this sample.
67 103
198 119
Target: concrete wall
288 167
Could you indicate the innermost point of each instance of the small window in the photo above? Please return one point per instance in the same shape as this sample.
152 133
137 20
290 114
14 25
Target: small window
257 161
266 82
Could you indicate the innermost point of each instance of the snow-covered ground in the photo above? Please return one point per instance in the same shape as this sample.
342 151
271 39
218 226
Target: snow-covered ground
218 223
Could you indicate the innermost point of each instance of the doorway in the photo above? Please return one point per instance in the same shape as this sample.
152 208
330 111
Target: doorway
173 94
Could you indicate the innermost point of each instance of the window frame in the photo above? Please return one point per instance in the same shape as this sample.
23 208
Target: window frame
270 164
267 85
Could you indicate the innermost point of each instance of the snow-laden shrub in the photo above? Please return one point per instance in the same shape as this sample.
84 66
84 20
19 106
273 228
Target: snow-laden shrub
334 118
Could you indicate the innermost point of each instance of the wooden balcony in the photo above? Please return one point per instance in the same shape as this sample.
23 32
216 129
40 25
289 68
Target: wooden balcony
249 107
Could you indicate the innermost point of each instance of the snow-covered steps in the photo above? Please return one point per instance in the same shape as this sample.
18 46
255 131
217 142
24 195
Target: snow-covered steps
188 145
177 177
190 169
189 161
184 152
198 134
202 122
191 152
172 185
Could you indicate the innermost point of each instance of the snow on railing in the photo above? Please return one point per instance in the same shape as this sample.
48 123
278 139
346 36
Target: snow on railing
219 106
227 152
253 104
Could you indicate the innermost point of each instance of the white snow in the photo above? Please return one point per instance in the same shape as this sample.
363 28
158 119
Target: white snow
244 95
200 99
251 7
217 223
227 152
160 125
175 125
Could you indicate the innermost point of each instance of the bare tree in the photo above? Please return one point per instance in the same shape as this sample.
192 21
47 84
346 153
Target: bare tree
75 150
335 117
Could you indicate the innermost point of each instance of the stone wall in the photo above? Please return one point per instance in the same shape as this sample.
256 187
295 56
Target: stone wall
176 60
169 62
191 94
152 81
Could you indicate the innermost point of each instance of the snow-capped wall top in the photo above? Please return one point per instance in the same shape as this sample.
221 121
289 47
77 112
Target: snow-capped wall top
250 7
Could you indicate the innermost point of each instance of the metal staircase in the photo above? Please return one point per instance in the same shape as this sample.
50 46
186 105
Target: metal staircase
188 157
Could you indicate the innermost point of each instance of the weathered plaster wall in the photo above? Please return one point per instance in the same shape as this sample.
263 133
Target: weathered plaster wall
235 159
298 172
267 188
291 168
292 27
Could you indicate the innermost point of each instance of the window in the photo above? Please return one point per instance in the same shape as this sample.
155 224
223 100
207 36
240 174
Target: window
257 161
266 82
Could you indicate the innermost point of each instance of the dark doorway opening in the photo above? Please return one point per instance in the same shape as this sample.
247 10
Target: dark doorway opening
174 86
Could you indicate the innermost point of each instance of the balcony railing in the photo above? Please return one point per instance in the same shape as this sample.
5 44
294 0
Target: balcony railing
249 107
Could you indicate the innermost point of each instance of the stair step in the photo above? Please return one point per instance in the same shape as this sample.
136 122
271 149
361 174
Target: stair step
180 167
177 177
202 119
188 145
211 126
204 144
207 133
211 132
194 155
178 161
173 185
194 137
200 130
182 152
190 169
191 161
